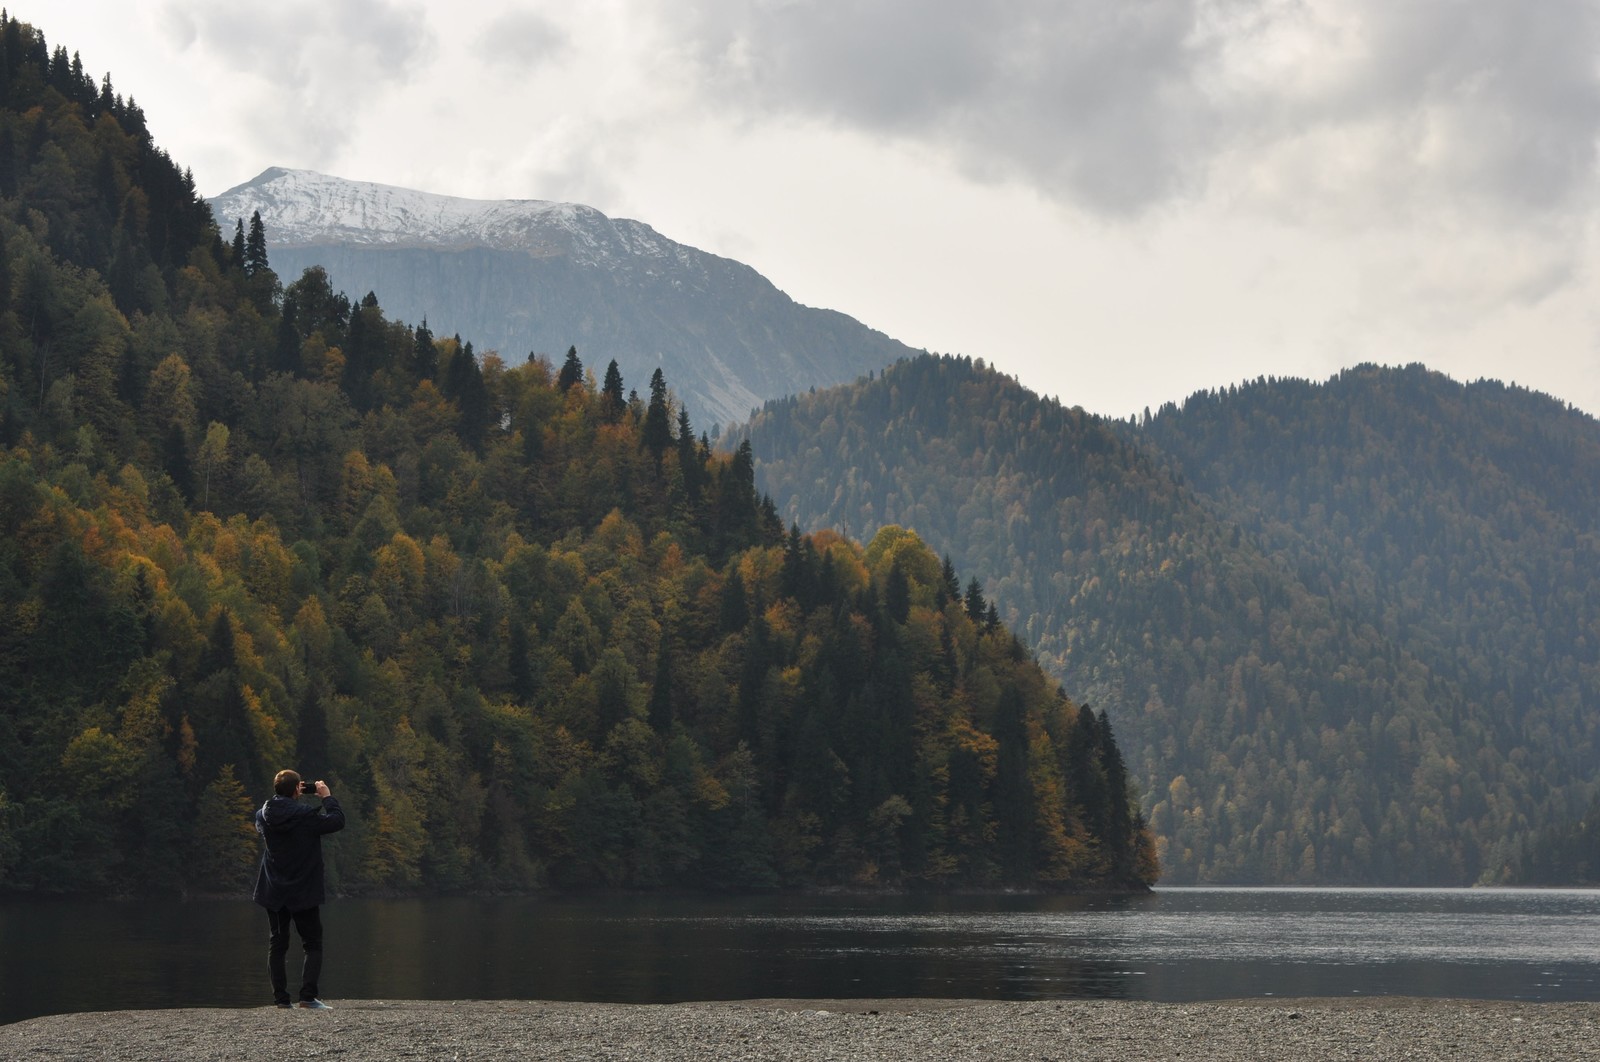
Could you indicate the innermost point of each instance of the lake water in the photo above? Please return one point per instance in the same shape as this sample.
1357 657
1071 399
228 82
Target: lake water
1173 945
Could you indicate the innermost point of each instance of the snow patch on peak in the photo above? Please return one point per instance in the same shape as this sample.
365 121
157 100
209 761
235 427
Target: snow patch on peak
302 207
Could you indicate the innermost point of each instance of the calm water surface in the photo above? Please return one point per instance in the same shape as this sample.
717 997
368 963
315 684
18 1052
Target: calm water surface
1174 945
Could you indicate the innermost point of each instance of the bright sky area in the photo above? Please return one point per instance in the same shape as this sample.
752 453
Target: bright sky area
1120 202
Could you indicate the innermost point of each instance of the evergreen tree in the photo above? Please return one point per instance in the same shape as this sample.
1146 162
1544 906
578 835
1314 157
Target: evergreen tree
735 611
464 384
949 583
224 732
225 846
1015 808
689 462
975 604
362 354
612 402
1119 825
425 357
262 281
311 734
255 247
657 433
571 371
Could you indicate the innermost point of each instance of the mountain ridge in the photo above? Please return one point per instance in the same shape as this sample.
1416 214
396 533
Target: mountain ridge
1285 727
524 276
307 207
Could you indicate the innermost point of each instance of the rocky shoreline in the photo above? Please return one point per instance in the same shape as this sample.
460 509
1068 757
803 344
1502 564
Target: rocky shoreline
805 1030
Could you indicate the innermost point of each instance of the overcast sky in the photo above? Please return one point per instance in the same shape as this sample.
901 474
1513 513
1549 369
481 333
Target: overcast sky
1118 201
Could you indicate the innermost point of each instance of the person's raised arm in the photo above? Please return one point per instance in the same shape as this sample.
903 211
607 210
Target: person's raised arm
332 817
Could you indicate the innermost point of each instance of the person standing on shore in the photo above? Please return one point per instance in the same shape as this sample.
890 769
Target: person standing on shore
289 883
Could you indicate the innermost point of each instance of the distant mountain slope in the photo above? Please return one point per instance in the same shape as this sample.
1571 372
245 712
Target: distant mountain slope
525 275
1461 521
1285 727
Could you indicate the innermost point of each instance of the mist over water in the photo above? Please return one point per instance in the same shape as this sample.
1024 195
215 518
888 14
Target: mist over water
1173 945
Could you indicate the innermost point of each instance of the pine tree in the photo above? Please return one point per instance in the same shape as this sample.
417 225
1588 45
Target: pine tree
734 612
262 282
255 247
976 606
949 583
464 384
612 402
361 352
1119 832
689 463
426 356
657 434
225 846
1015 809
311 733
223 728
571 371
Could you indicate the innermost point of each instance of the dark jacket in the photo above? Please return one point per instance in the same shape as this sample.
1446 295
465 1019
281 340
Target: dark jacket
291 867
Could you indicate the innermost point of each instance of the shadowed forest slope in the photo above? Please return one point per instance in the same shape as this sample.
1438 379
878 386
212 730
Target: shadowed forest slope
1375 672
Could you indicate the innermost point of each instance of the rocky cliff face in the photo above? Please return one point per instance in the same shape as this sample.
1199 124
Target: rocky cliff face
527 276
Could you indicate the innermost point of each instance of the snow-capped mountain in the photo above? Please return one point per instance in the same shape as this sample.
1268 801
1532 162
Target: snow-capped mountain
529 276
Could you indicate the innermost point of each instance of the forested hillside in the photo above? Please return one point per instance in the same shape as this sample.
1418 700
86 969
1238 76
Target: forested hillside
1460 521
1284 727
527 625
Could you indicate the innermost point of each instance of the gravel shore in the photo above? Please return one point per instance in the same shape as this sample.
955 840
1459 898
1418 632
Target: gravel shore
913 1030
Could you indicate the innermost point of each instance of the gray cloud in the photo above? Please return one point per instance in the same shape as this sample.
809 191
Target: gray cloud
1118 105
323 62
520 39
1089 98
1509 91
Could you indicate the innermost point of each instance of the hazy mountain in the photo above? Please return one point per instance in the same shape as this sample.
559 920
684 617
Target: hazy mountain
1347 632
525 276
1462 522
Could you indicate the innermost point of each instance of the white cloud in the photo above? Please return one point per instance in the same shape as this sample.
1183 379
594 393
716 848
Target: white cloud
302 72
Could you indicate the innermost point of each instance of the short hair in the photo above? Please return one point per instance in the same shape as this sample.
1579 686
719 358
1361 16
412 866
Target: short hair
286 783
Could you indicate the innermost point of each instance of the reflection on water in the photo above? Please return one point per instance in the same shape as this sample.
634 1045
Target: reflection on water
1175 945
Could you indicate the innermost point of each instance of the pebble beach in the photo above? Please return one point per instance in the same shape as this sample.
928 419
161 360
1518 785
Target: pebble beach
804 1030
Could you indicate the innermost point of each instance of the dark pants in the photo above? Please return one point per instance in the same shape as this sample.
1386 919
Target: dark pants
308 923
